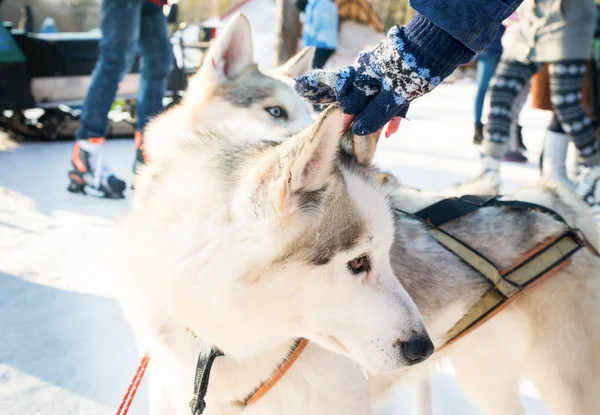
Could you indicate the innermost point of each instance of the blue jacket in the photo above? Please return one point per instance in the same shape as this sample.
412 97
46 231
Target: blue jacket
473 22
321 24
495 48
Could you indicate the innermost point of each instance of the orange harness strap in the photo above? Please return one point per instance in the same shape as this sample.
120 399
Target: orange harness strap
505 303
252 398
266 386
533 268
536 265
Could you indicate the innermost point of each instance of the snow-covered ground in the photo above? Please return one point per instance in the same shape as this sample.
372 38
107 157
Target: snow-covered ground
65 346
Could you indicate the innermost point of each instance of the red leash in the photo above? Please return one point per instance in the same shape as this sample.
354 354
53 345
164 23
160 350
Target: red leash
133 386
265 387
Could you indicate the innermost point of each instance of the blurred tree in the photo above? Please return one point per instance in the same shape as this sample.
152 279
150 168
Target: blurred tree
288 29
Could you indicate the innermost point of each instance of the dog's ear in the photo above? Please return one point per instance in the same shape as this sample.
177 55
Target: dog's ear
300 165
360 148
229 55
298 64
364 148
311 158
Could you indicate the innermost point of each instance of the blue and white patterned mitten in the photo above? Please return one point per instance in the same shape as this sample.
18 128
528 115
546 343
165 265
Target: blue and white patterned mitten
409 63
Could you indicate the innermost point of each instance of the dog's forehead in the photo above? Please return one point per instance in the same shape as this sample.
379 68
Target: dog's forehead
372 206
250 87
356 214
340 228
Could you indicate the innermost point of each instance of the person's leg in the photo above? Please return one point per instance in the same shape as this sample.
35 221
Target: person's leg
566 82
518 107
556 144
119 22
514 152
321 57
156 59
511 77
486 67
156 63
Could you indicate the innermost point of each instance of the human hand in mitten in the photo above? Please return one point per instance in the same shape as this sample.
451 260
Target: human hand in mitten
410 62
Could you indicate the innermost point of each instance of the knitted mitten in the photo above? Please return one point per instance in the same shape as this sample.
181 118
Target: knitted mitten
409 63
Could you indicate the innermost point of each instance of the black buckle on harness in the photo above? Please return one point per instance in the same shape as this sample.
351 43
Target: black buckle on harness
203 367
447 210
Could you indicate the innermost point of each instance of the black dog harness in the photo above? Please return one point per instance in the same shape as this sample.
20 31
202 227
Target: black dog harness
204 366
537 264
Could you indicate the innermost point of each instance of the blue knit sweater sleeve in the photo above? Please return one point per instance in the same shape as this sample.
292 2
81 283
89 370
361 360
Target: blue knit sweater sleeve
473 22
412 61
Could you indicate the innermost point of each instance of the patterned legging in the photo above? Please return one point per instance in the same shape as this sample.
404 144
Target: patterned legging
566 82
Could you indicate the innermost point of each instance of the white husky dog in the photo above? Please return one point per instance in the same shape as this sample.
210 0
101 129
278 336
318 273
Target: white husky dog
245 237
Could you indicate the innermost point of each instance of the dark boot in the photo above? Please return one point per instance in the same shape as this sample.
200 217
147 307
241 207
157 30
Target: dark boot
89 175
520 139
478 135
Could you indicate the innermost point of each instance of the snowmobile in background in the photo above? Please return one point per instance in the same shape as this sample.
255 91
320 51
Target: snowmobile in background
44 78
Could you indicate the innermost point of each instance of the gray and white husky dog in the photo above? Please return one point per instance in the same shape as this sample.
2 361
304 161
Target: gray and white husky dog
550 334
245 236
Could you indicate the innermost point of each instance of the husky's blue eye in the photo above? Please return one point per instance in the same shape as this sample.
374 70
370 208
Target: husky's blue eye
277 112
360 264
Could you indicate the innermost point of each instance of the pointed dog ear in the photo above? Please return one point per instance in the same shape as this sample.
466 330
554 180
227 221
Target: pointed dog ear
298 64
364 148
302 164
360 148
311 160
229 55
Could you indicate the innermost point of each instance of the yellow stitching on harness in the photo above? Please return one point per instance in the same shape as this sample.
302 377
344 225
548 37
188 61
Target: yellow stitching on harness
537 264
489 301
481 264
546 260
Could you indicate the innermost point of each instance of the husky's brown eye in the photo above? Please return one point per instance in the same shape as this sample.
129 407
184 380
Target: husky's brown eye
276 112
360 264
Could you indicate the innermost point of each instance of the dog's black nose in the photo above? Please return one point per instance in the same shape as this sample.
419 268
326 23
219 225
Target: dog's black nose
417 350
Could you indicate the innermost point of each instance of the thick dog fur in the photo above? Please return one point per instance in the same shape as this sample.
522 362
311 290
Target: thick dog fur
550 335
244 234
230 87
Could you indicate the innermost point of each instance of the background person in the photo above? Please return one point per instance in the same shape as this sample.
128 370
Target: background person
128 27
487 61
560 33
320 30
49 26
